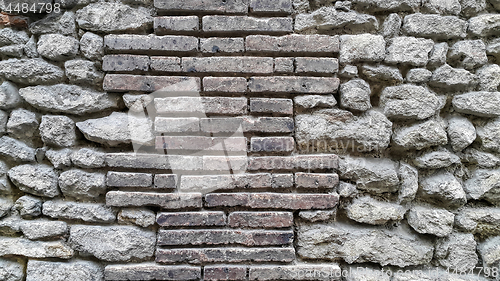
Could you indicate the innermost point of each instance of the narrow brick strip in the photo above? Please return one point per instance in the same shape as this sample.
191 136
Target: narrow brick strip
128 82
151 271
272 200
191 219
169 201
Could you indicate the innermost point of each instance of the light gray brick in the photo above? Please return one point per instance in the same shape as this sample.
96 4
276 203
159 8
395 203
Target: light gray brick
154 161
191 219
219 6
259 65
274 106
222 45
172 24
165 64
312 180
150 43
249 124
291 84
165 181
225 84
294 43
127 82
124 179
283 65
125 63
316 65
246 24
207 105
163 200
272 144
271 6
202 143
224 182
221 255
177 125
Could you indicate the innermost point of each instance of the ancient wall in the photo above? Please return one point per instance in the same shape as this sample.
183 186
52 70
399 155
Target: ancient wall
249 140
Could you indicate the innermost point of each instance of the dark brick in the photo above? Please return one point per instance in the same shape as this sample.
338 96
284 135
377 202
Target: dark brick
327 272
260 219
310 180
272 144
150 43
219 6
294 84
294 43
272 200
271 6
164 200
246 24
191 219
165 181
222 255
206 183
121 179
151 271
224 272
127 82
267 105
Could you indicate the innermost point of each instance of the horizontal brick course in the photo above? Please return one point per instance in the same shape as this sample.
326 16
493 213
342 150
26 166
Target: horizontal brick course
261 219
316 65
291 84
272 144
169 24
225 84
284 65
202 143
220 182
271 6
208 105
220 6
295 272
224 273
127 82
165 64
312 162
225 163
151 271
125 63
272 200
267 105
169 201
257 65
309 180
177 125
122 179
294 43
246 24
148 43
165 181
154 161
222 45
191 219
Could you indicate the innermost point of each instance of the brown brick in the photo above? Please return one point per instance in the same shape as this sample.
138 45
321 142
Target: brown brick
177 125
191 219
267 105
294 43
127 82
310 180
271 6
165 64
225 163
163 200
123 179
220 182
316 65
260 219
246 24
222 45
151 271
207 105
284 65
248 124
306 162
272 144
218 6
272 200
125 63
202 143
13 20
294 84
225 84
259 65
282 181
327 272
224 273
251 238
154 161
169 24
150 43
165 181
222 255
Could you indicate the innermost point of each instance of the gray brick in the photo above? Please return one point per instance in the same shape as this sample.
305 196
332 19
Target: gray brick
290 84
260 219
283 65
246 24
250 238
307 162
271 6
230 255
222 45
169 24
224 182
154 161
237 164
225 84
151 271
127 82
123 179
219 6
165 181
296 272
207 105
177 125
282 181
294 43
272 200
310 180
170 201
150 43
201 143
272 144
165 64
125 63
224 272
191 219
316 65
258 65
275 106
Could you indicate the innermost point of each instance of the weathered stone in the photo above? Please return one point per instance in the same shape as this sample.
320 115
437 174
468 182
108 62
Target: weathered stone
117 17
370 211
171 24
408 184
5 205
12 51
92 46
355 245
10 225
457 251
9 36
483 104
472 7
28 206
370 131
489 135
55 23
16 150
366 274
482 221
34 249
30 48
428 220
88 212
72 3
30 71
83 72
113 243
82 185
489 78
450 79
38 180
451 7
436 159
246 24
70 99
222 45
496 4
153 271
42 229
418 75
409 102
57 47
422 135
59 271
4 182
294 84
88 158
490 252
482 159
315 101
485 25
461 132
4 118
391 26
349 71
318 215
22 123
363 47
484 184
468 53
409 50
316 65
11 270
117 128
493 47
138 216
57 130
391 5
9 95
59 158
382 73
438 55
443 188
371 174
327 18
355 95
435 26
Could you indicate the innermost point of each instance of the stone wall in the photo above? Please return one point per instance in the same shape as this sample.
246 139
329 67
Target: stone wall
250 140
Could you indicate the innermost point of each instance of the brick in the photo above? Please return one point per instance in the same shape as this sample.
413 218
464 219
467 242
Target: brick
291 84
271 6
154 161
218 182
272 144
127 82
165 181
122 179
168 24
294 43
225 163
267 105
225 84
207 105
150 43
246 24
261 219
191 219
222 255
248 124
222 45
307 162
177 125
316 65
296 272
197 237
259 65
272 200
200 143
224 272
163 200
125 63
151 271
217 6
283 65
282 181
165 64
310 180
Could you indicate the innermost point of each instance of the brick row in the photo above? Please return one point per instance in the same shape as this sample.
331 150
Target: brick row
273 106
311 180
247 124
127 82
304 162
294 84
293 43
272 200
169 24
183 219
207 105
224 45
244 24
230 144
171 201
226 6
260 219
151 43
225 125
272 144
151 271
254 65
208 183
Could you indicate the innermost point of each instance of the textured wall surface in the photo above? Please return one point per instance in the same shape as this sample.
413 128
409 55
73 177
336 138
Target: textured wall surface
249 140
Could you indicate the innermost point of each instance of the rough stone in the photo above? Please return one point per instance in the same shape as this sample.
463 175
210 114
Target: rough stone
88 158
88 212
11 270
391 26
82 185
5 205
16 150
4 182
56 24
370 211
34 249
83 72
69 99
9 95
434 221
391 5
57 47
443 188
409 102
434 26
113 17
482 104
461 132
328 18
490 252
92 46
371 174
22 123
438 55
409 50
382 74
28 206
457 251
409 182
468 53
349 71
138 216
485 25
59 158
355 95
480 158
319 215
38 180
489 78
30 48
58 130
4 118
42 229
451 7
30 71
363 47
315 101
483 221
9 36
493 47
484 184
10 225
451 79
113 243
421 135
489 134
12 51
436 159
60 271
418 75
